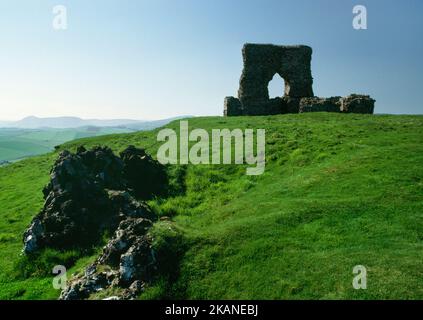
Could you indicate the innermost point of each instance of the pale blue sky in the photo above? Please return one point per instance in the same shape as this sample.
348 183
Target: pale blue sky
161 58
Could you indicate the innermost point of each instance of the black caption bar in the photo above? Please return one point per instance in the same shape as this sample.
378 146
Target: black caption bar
213 309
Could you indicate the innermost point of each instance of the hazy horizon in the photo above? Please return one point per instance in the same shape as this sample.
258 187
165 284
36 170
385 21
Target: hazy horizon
158 59
82 118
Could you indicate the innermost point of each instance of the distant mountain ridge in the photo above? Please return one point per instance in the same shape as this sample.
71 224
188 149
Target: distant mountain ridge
33 136
33 122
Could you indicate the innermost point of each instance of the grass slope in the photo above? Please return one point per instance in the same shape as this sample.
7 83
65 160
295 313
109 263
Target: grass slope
339 190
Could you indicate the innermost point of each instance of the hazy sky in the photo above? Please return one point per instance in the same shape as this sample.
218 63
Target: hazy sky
161 58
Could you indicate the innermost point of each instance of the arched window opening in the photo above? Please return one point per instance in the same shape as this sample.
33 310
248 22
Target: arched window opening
276 86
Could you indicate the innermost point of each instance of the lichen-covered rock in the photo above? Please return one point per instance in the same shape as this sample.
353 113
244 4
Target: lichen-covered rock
126 235
32 236
138 262
129 260
93 281
134 290
92 191
81 201
77 207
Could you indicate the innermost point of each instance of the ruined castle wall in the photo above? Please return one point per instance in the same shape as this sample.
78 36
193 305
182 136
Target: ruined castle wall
293 64
261 63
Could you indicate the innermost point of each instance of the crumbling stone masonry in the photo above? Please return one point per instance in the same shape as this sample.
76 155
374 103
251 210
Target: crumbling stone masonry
293 64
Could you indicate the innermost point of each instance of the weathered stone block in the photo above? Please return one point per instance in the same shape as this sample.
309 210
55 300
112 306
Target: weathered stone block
232 107
357 103
290 105
316 104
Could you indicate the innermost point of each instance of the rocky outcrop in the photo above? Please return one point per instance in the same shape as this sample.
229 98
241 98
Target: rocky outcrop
92 191
293 64
89 193
77 207
126 264
144 175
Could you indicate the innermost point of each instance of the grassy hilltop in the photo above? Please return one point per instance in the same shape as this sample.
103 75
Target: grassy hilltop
339 190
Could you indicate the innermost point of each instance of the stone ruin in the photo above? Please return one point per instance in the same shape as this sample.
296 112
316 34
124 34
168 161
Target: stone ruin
293 64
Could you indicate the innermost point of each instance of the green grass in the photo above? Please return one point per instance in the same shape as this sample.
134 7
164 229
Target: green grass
339 190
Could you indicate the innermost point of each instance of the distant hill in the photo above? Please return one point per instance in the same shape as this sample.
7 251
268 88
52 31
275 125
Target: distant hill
17 143
34 136
33 122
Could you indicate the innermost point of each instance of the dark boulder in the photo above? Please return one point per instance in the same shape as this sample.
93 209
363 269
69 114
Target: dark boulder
145 176
89 193
87 196
104 165
76 208
126 205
